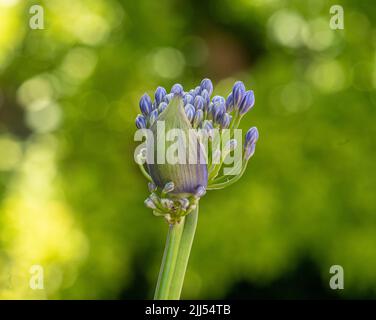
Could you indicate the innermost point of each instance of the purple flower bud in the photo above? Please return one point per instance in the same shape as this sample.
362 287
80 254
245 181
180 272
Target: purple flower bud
152 187
237 92
184 203
229 103
207 85
189 111
197 91
145 104
159 95
199 103
251 137
249 151
177 89
188 99
168 98
218 99
225 121
153 117
247 102
205 95
150 204
199 116
162 107
169 187
218 112
200 191
207 125
140 122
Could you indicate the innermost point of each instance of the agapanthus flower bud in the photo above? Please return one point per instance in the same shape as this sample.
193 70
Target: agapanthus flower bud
207 125
229 103
247 102
162 107
150 204
199 116
140 122
184 203
190 112
237 92
197 90
225 121
206 96
159 95
168 97
251 137
188 99
200 191
218 100
177 89
207 85
152 187
145 104
153 116
218 111
199 103
169 187
186 176
249 151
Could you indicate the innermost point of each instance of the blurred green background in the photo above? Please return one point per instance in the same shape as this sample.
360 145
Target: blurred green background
71 195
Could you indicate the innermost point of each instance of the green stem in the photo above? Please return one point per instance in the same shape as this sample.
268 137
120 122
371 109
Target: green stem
183 255
175 258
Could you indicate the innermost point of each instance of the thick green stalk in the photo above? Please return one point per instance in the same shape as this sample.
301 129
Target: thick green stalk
183 255
175 258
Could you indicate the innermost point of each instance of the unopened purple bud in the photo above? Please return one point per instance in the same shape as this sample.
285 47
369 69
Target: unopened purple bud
145 104
249 151
152 187
247 102
205 95
188 99
177 89
225 121
169 187
168 98
184 203
197 90
150 204
199 103
189 111
200 191
162 107
207 85
199 116
251 137
229 103
218 112
237 92
140 122
218 99
159 95
208 125
153 117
